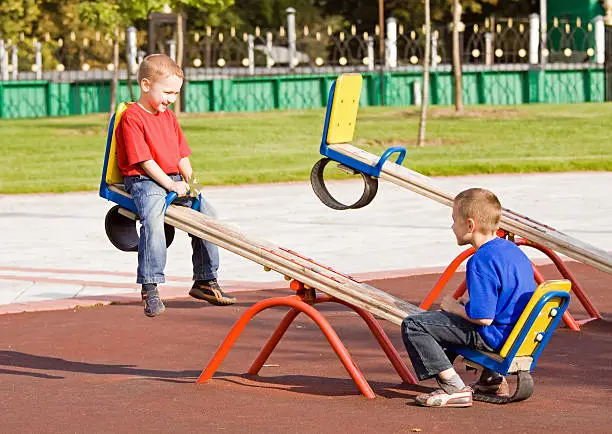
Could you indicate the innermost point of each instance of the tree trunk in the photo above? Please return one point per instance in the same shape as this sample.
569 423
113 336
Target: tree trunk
180 46
457 9
425 90
115 81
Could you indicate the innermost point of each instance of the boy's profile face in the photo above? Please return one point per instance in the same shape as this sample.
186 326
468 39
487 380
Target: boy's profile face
463 227
157 94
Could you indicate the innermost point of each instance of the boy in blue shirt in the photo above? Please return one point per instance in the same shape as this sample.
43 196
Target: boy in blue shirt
500 283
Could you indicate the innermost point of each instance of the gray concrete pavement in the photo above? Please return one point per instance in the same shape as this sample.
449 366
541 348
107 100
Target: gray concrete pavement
55 247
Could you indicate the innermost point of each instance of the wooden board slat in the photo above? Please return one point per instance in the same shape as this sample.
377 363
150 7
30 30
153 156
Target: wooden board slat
288 263
511 221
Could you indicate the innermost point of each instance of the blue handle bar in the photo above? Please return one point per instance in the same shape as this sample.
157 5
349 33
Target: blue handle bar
172 196
385 156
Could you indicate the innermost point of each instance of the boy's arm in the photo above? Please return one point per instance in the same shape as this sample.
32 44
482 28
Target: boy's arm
450 305
185 168
155 172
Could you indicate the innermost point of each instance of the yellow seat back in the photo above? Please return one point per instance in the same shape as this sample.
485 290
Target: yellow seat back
113 174
345 104
541 324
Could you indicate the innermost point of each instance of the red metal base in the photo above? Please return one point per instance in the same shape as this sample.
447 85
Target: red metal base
301 303
576 288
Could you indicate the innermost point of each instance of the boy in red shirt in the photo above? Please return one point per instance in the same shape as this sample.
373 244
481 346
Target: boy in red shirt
153 157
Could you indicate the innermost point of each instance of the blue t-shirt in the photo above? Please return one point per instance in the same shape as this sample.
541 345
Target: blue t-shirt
500 283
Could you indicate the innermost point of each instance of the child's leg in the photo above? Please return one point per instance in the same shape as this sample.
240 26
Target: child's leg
205 254
426 335
150 201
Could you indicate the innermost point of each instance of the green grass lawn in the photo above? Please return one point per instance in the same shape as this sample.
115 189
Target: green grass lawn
66 154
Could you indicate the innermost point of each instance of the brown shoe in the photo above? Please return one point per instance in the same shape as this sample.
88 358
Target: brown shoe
211 292
497 389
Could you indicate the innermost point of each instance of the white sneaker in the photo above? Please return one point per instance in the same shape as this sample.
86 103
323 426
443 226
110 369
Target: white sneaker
439 398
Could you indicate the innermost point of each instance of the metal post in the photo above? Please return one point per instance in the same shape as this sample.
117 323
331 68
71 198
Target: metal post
370 53
608 60
269 57
172 49
534 38
391 43
251 44
488 48
543 31
38 60
600 38
130 49
381 49
291 36
434 49
14 62
417 93
3 61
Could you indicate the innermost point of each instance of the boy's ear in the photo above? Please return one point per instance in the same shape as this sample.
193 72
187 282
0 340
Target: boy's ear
471 225
145 84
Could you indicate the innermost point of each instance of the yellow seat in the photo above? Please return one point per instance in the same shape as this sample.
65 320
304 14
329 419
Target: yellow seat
112 173
527 340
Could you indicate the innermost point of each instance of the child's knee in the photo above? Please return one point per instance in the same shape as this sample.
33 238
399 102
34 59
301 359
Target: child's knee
410 324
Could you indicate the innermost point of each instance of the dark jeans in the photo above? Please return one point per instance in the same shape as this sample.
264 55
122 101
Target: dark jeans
428 334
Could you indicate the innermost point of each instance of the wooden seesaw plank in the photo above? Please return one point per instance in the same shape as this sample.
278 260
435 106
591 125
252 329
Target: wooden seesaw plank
511 221
288 263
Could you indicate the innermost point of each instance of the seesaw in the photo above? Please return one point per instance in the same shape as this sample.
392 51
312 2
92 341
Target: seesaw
306 275
338 132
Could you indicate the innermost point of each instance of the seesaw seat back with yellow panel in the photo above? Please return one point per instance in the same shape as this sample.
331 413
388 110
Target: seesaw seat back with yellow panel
111 175
525 344
342 112
338 133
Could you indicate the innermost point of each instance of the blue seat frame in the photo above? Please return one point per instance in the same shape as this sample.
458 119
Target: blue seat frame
504 366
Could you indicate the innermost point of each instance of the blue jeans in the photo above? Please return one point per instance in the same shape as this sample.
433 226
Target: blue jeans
150 200
426 336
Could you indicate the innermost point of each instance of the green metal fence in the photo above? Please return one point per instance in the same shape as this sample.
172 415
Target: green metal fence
521 85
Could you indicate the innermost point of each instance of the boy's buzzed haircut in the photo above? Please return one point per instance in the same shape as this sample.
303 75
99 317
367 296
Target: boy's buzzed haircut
482 206
158 65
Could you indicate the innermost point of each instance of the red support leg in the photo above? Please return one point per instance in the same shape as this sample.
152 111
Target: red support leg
273 341
460 290
297 303
568 319
383 341
567 274
236 330
445 277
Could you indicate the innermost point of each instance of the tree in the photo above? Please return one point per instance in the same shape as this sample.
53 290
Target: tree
110 16
425 92
457 73
180 7
115 14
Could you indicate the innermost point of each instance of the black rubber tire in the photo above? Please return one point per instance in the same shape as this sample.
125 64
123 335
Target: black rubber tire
524 389
370 188
122 232
524 386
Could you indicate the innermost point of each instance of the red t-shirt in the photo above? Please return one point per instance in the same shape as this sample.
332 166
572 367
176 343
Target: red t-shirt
144 136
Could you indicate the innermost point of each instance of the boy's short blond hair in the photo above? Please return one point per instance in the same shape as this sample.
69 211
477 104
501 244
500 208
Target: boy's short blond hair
158 65
482 206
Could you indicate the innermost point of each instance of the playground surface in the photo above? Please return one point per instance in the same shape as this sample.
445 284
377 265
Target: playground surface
54 246
111 369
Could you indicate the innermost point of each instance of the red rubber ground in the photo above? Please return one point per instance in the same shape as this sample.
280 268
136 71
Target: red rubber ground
111 369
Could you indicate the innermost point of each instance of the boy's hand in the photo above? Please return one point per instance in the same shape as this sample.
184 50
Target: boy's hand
180 188
450 305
